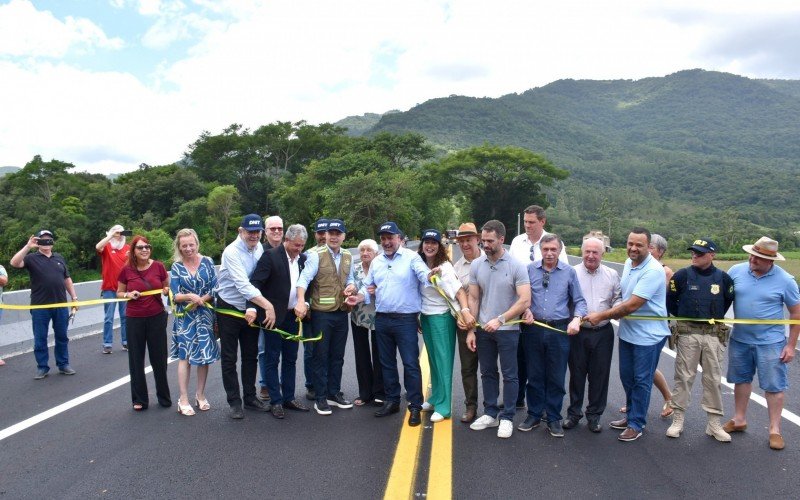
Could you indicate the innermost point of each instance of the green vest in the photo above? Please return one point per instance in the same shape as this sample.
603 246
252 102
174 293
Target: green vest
327 289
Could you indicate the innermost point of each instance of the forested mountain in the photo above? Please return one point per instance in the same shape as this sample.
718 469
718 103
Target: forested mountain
695 149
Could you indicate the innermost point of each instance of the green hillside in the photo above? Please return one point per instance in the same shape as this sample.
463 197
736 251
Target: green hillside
693 145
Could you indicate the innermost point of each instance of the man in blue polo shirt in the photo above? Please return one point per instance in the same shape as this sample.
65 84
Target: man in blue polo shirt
640 342
761 289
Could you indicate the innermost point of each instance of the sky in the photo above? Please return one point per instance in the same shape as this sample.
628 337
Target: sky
110 84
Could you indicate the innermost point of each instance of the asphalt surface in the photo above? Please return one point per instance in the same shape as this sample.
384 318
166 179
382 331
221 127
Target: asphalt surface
101 448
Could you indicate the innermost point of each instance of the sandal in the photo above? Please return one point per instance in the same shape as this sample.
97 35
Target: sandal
359 402
624 409
186 409
666 410
202 404
138 407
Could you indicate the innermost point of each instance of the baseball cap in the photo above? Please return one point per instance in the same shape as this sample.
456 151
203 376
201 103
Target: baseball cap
252 222
321 225
389 227
432 234
703 245
336 225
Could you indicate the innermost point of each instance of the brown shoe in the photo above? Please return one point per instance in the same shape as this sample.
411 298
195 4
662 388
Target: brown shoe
776 441
620 424
629 434
469 415
263 394
730 426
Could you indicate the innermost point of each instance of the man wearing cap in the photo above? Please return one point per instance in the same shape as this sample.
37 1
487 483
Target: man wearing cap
326 275
700 291
113 252
591 350
50 284
395 276
526 248
640 342
499 292
557 303
234 290
320 234
762 288
467 238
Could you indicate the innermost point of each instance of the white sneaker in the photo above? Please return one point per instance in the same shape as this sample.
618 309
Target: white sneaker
437 417
484 422
505 429
427 406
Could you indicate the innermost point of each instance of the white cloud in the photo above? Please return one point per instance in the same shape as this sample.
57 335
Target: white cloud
24 31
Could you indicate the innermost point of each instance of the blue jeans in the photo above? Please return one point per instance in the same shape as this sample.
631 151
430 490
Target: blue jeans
637 365
108 324
277 350
398 332
328 357
308 354
546 357
505 344
41 325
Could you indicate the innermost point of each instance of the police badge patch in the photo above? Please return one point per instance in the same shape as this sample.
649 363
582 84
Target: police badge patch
714 289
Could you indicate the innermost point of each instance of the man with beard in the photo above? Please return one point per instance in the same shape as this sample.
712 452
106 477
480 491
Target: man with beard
499 291
113 252
640 342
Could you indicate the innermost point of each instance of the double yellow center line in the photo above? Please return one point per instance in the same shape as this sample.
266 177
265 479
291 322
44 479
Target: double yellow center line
402 482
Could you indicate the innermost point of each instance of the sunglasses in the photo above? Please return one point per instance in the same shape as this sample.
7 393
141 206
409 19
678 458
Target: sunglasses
546 279
275 229
143 247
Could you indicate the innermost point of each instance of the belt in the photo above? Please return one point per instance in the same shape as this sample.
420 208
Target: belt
595 328
396 315
553 322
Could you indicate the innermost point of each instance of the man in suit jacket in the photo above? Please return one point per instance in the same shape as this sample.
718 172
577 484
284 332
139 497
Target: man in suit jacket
276 276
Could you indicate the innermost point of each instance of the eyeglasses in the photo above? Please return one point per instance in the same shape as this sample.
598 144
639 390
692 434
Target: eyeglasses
143 247
695 253
275 229
546 279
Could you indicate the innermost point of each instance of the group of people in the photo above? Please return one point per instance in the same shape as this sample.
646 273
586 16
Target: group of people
523 314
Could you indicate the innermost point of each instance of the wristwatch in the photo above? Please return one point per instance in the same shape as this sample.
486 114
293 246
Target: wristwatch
501 319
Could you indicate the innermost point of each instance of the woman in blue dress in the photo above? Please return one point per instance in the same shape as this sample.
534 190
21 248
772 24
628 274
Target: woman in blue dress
192 280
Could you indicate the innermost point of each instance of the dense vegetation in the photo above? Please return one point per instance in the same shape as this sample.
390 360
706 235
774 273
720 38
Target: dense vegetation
692 153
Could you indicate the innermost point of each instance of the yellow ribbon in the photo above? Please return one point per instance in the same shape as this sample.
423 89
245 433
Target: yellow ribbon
712 321
77 303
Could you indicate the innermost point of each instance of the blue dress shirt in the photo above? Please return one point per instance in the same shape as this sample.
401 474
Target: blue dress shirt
396 279
563 289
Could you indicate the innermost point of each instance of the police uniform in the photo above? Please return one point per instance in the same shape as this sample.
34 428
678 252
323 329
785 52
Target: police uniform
703 294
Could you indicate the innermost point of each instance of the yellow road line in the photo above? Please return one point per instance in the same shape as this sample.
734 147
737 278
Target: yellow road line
440 471
403 474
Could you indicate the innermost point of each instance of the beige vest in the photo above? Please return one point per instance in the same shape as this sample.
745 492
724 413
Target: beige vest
327 289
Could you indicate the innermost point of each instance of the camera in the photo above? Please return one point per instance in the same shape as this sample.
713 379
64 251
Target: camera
127 232
44 241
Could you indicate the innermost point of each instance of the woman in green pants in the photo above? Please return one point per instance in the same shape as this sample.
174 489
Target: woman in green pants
439 304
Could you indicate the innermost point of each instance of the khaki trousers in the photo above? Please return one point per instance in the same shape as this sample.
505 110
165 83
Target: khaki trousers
705 350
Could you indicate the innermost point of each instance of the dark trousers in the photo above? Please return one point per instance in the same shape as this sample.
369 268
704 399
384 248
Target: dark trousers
546 356
369 372
502 344
277 351
590 353
149 333
469 370
397 332
236 335
40 319
308 353
522 374
328 355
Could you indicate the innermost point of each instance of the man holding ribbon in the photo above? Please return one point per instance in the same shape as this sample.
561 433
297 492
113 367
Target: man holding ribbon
704 292
276 276
762 288
640 342
557 306
50 282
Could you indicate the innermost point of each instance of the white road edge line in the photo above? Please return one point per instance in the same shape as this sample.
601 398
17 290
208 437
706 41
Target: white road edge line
791 417
52 412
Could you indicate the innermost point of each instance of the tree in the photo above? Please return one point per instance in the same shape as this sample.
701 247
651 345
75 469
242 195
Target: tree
223 203
498 180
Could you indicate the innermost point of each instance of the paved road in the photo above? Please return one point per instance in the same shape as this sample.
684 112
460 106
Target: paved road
100 448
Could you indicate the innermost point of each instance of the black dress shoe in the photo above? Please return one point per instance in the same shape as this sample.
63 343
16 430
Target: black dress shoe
257 405
295 405
277 411
570 423
311 394
594 426
387 409
414 418
236 412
